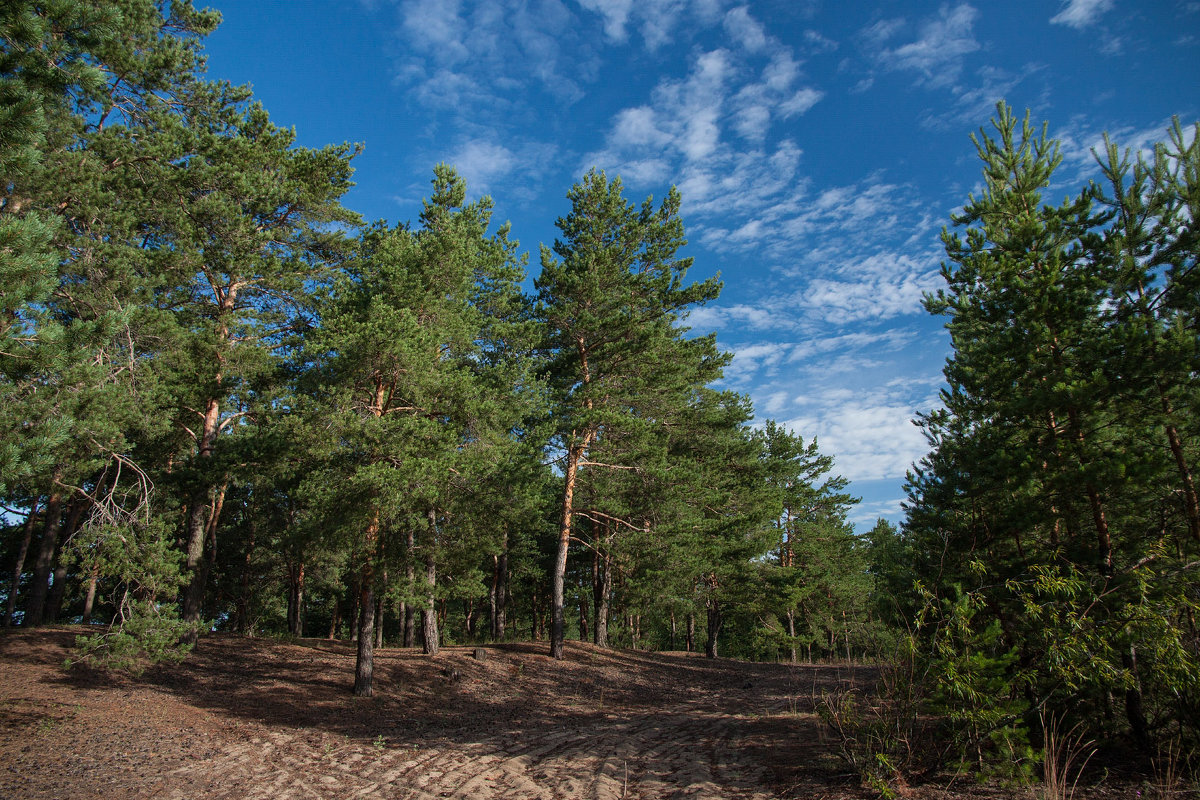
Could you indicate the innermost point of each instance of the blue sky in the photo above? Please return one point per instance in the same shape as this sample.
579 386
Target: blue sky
819 147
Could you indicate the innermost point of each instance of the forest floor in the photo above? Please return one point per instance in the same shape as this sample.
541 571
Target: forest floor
263 718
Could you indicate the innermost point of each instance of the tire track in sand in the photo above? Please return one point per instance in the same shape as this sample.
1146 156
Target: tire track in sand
680 754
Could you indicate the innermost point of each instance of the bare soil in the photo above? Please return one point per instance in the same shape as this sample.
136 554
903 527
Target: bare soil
261 718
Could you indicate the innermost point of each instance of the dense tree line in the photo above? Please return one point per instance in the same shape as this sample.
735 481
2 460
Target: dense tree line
230 404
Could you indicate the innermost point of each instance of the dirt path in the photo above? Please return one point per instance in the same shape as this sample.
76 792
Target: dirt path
246 718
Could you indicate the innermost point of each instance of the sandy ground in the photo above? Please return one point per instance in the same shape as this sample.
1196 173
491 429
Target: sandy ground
261 718
257 718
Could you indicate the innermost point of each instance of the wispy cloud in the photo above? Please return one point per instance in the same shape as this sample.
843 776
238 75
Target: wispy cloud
1080 139
474 57
487 165
873 436
1081 13
937 52
655 20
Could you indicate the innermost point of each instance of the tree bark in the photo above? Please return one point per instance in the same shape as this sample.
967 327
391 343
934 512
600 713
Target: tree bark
335 617
59 588
1191 506
492 596
242 607
502 590
429 623
201 506
1134 711
791 623
35 605
583 617
557 621
296 598
379 611
602 589
714 628
691 632
364 665
19 563
89 600
410 617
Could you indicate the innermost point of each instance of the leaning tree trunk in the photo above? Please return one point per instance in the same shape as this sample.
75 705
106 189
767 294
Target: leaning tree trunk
19 563
557 619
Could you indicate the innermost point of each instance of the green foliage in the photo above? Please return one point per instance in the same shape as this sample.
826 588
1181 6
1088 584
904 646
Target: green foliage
1060 482
978 684
220 392
150 634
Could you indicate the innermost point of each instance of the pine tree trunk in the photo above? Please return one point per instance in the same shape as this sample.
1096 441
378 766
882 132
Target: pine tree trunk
791 623
691 632
296 599
410 616
429 623
242 607
364 665
379 611
557 620
602 590
1191 506
201 504
19 562
89 600
714 628
335 618
583 617
35 605
502 591
492 589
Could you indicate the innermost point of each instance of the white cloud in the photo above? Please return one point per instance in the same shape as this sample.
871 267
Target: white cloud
615 14
655 20
937 54
487 165
1081 13
872 436
474 57
746 30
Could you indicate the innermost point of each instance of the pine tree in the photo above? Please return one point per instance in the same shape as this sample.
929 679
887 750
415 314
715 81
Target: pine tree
610 295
